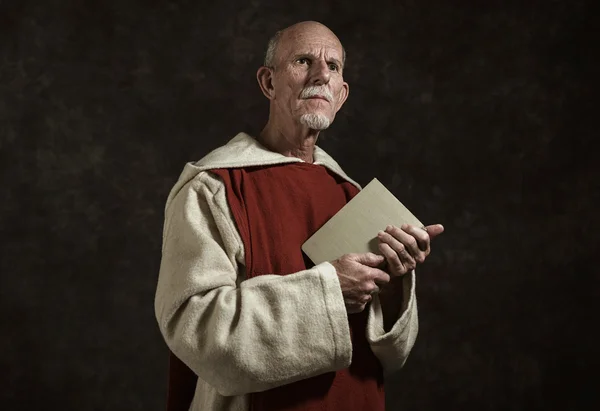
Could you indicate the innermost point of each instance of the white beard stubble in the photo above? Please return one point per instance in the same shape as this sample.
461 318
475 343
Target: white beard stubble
315 121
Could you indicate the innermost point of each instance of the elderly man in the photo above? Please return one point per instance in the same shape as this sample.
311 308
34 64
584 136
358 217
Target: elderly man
254 323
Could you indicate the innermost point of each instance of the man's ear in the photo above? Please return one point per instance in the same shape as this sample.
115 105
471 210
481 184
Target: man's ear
264 75
343 96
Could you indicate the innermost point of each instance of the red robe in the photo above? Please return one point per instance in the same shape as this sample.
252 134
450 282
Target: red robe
276 209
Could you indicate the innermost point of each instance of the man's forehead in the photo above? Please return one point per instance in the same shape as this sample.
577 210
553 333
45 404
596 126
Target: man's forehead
311 43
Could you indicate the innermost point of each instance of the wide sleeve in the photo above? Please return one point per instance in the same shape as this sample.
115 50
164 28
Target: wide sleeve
393 347
242 336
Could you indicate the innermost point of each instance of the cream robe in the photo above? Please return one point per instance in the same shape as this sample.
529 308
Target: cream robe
208 313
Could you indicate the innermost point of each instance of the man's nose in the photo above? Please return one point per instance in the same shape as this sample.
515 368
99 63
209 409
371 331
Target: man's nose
320 73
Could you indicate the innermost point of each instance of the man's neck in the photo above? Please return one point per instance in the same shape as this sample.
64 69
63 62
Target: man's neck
299 143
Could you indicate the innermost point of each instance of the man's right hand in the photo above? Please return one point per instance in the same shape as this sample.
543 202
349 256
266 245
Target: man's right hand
359 278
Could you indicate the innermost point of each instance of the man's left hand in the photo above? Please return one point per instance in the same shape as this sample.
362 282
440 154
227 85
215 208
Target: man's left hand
406 246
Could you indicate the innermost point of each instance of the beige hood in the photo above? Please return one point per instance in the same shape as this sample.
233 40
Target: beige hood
245 151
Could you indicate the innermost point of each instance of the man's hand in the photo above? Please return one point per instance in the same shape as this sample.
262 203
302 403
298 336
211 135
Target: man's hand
406 246
359 278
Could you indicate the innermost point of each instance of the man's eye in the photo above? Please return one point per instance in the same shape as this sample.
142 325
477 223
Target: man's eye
333 67
302 60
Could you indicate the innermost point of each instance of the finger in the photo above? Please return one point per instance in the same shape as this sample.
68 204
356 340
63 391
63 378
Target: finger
399 237
369 259
421 235
407 260
434 230
380 277
356 307
394 263
366 298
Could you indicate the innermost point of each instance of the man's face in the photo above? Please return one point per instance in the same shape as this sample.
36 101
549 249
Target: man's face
307 79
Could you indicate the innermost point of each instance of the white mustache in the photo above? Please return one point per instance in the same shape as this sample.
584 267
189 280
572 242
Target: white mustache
321 91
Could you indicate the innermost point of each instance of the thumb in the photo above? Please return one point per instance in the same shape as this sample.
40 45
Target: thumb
434 230
370 259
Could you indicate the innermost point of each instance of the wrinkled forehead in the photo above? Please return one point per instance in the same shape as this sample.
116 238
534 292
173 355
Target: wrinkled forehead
311 42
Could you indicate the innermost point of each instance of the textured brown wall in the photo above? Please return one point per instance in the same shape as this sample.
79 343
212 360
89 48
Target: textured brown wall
478 117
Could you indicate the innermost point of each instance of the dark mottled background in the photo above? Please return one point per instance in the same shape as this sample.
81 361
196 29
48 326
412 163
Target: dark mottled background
475 114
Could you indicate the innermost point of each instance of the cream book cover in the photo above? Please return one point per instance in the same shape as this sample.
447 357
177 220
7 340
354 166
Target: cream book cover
354 228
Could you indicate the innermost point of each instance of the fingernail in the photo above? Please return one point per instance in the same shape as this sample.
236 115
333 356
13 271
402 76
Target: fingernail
388 228
380 234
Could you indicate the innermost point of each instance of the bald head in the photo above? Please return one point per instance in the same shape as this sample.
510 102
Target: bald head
303 78
294 32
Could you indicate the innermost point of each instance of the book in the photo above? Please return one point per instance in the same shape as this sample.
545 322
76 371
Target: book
354 228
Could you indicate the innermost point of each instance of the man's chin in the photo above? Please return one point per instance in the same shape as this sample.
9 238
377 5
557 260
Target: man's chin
315 121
